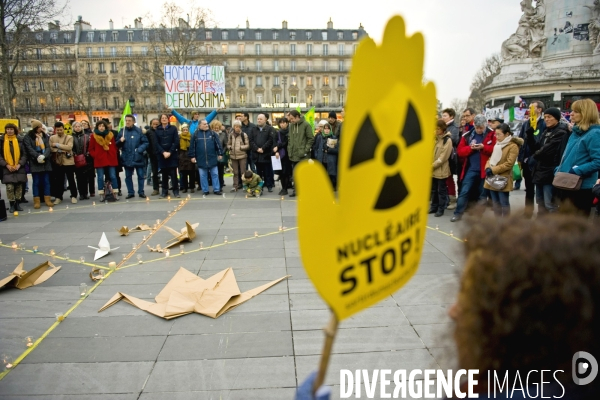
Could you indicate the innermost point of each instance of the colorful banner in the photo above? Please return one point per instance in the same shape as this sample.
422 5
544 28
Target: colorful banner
194 86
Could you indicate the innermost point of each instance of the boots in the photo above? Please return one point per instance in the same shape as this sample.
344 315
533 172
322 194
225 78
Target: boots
452 204
48 201
12 207
101 193
17 206
36 203
116 193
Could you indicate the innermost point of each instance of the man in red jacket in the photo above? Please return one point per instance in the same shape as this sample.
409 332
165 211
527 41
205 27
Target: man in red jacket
474 149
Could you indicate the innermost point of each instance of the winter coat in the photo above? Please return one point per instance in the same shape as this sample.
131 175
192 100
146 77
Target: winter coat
300 140
247 128
454 133
167 140
205 147
81 141
65 146
510 152
18 176
223 141
326 155
441 156
280 141
185 162
133 148
583 155
253 182
104 158
464 150
238 146
151 149
526 152
33 152
261 139
547 153
193 124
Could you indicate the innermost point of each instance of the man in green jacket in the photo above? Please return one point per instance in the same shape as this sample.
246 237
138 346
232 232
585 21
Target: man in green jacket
301 139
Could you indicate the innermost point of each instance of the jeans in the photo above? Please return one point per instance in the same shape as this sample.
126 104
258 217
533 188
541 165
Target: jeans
172 173
471 181
439 194
44 179
265 170
111 175
214 173
501 203
544 197
129 179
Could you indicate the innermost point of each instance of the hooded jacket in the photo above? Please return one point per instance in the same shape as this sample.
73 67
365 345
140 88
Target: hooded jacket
510 152
167 140
205 147
583 155
441 154
547 152
133 148
300 140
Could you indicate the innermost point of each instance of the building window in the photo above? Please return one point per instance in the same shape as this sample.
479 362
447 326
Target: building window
325 81
309 99
275 49
257 35
88 51
224 35
145 66
340 49
156 50
258 65
145 36
242 65
309 66
103 83
90 84
293 81
325 65
105 103
275 65
67 37
308 35
259 98
128 51
259 81
116 102
354 47
54 68
257 49
325 49
28 104
70 85
276 81
324 35
67 51
39 69
223 49
130 36
241 49
242 99
340 65
293 99
90 36
354 35
341 98
341 81
326 100
130 82
242 81
144 50
292 35
101 51
26 86
309 50
340 35
53 37
241 34
115 36
41 86
277 98
293 49
113 51
115 83
208 35
101 68
309 81
293 65
146 83
89 68
275 35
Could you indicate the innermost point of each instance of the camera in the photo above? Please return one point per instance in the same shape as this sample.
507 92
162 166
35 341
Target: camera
68 155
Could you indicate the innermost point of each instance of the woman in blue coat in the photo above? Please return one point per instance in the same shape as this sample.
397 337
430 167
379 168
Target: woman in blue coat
167 146
206 151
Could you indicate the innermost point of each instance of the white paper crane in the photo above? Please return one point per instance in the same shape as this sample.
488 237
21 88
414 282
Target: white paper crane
104 247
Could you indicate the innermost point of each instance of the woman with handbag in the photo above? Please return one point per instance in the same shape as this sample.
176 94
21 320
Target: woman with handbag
499 169
103 149
61 146
84 163
12 161
37 147
578 170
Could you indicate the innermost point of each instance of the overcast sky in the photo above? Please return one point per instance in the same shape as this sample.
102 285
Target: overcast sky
459 34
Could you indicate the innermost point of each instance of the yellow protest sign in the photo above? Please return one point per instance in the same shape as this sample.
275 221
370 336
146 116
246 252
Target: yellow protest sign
4 121
532 116
365 245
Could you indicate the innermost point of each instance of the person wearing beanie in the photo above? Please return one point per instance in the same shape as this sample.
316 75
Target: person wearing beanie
547 153
37 146
333 122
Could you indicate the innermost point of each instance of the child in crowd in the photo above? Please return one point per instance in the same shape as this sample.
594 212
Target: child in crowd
253 183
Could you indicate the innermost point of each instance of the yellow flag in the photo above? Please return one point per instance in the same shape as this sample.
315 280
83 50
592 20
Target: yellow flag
532 117
367 243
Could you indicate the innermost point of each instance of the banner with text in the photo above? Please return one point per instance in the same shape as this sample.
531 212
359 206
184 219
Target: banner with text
194 86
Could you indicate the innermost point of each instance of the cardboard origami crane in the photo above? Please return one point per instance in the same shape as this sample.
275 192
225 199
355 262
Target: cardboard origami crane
22 279
125 231
187 293
186 234
104 247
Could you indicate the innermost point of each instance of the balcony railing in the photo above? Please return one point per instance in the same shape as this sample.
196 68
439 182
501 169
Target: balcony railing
46 73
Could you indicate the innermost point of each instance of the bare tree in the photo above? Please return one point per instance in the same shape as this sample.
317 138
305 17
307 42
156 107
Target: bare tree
490 68
458 105
19 21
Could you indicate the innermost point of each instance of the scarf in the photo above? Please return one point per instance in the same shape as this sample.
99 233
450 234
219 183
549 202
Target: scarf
8 156
497 152
103 138
184 140
39 142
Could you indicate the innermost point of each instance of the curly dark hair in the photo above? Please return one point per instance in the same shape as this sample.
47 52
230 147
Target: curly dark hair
530 294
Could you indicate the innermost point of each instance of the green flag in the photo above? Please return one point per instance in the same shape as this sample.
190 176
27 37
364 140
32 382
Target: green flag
511 114
310 117
126 110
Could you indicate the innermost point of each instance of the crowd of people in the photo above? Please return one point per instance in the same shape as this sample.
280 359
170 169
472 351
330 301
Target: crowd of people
479 162
90 160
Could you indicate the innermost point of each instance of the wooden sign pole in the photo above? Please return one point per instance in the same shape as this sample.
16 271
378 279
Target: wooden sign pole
330 332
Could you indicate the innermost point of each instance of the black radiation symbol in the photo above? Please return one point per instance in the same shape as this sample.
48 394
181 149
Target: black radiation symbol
394 190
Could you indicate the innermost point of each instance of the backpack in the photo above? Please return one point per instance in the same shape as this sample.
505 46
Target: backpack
453 155
453 160
108 192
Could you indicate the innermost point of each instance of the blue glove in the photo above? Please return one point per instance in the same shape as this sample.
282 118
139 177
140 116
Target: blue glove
304 392
488 172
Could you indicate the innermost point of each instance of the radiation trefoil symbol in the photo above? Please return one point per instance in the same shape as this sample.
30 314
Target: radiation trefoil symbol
394 190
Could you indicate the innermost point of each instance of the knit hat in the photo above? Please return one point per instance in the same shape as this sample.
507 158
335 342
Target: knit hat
35 124
555 112
332 114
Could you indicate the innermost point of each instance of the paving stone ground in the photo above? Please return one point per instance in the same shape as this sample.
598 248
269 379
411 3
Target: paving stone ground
260 350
